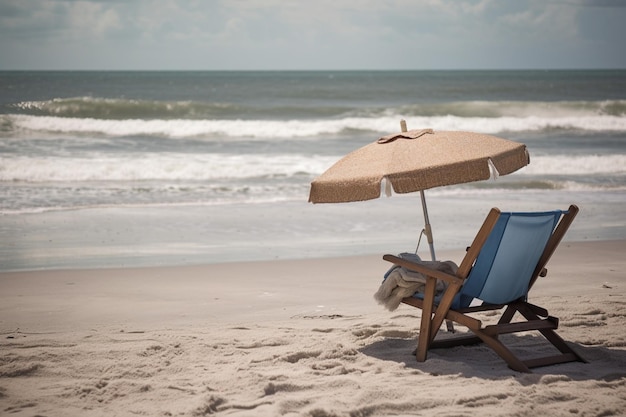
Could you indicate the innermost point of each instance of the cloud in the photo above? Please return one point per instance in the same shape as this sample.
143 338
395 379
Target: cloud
291 34
601 3
91 18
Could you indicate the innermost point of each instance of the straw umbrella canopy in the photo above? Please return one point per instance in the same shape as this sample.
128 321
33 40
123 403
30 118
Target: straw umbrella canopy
417 160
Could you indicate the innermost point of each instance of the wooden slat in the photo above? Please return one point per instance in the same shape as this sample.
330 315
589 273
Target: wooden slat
412 266
539 311
456 341
415 302
508 314
523 326
443 308
462 319
505 353
467 321
554 241
478 243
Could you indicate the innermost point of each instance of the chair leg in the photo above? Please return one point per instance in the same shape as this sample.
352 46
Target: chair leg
508 314
556 340
423 340
531 314
513 361
450 326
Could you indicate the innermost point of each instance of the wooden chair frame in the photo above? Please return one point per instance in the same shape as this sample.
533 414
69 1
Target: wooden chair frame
536 318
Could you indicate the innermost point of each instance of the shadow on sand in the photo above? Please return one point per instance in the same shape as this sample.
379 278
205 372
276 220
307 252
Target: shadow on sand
604 363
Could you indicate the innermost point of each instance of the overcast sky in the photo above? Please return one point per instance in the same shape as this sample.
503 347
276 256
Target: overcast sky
312 34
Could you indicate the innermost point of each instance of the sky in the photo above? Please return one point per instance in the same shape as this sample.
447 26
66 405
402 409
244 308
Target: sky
311 34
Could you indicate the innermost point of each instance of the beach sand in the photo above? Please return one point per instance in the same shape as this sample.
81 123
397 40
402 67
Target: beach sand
295 338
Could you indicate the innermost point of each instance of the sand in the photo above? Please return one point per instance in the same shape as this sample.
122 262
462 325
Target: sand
293 338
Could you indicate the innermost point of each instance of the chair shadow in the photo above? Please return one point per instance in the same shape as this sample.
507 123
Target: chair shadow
604 363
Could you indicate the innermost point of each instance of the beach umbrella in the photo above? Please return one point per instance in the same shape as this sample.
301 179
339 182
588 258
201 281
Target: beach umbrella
417 160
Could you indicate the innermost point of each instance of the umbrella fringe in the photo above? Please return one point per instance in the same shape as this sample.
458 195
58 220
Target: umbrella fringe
492 167
387 186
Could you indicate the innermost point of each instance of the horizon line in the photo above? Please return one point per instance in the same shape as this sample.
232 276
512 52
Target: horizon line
310 70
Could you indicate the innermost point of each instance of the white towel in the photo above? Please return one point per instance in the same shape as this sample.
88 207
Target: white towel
400 283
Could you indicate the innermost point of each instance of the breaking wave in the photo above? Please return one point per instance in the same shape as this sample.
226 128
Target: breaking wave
185 128
119 109
202 167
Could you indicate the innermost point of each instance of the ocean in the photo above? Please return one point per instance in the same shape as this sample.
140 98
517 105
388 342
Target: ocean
125 169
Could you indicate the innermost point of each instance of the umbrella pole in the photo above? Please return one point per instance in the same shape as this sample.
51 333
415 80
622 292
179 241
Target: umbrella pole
429 232
429 236
427 229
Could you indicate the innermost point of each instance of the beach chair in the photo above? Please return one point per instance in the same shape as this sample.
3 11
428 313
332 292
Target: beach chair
505 259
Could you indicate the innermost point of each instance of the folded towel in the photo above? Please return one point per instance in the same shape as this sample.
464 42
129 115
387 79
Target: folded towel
400 283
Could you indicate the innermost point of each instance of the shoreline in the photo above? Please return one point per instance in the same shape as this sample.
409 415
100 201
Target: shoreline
269 281
195 235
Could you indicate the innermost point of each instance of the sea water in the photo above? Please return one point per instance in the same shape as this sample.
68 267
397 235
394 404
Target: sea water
101 169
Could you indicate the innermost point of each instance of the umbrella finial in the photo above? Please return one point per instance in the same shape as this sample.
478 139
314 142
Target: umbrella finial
403 125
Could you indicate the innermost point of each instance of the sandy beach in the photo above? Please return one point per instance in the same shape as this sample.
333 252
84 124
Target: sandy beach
295 338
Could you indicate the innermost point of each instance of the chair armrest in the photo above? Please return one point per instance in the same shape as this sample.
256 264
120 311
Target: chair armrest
412 266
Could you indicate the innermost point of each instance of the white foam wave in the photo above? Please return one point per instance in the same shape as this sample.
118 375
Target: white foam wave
175 166
552 109
181 128
576 165
497 188
159 167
